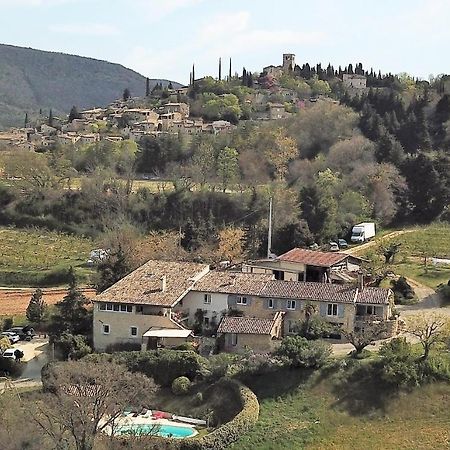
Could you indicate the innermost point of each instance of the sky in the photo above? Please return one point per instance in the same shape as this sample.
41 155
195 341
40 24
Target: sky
163 38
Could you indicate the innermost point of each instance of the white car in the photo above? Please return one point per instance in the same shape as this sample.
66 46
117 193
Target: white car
9 353
13 337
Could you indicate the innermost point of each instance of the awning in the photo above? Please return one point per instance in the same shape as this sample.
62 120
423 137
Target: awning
168 333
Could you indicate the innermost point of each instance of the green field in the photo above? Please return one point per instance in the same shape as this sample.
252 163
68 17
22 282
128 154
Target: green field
416 245
325 412
35 257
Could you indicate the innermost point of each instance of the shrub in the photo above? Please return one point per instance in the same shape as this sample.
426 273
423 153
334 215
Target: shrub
403 292
198 399
444 291
181 386
186 346
72 346
303 353
7 323
161 365
315 328
11 368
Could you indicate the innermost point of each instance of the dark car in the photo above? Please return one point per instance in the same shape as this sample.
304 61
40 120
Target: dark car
342 243
25 333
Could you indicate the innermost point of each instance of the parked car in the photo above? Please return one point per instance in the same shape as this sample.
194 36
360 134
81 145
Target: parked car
25 333
342 243
9 353
334 247
13 337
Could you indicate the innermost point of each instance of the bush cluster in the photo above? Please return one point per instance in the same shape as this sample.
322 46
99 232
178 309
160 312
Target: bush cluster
161 365
403 292
181 386
303 353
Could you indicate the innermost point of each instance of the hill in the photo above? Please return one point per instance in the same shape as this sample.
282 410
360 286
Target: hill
31 80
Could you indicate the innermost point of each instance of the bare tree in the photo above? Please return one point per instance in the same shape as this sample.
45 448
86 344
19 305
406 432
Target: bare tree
367 334
430 328
85 399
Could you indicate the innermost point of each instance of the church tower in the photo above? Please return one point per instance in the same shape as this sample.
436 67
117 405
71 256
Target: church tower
288 62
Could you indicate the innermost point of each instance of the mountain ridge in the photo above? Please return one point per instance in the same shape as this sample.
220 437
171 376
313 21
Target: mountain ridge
33 80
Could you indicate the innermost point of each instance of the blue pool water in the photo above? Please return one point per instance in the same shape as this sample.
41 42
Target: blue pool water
159 430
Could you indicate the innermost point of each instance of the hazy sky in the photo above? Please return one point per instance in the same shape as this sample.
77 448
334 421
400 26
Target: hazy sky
161 38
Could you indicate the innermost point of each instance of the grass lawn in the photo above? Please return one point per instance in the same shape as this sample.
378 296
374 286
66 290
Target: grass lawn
34 257
418 243
298 412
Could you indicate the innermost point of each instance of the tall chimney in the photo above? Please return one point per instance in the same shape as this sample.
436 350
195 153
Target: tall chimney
360 280
163 283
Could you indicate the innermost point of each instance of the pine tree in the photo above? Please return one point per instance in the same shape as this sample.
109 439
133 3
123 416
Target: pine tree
36 308
71 316
74 114
112 269
147 87
193 75
229 72
50 118
126 94
220 69
25 123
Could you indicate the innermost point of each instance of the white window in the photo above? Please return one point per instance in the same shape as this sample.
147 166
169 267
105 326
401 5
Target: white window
133 331
116 307
207 299
234 339
106 328
241 300
102 306
270 303
129 308
109 306
123 308
332 309
291 304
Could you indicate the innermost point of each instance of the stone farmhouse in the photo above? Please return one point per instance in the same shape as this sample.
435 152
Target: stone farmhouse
300 264
161 302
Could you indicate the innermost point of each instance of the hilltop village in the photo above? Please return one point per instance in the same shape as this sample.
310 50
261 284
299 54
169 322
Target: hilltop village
165 110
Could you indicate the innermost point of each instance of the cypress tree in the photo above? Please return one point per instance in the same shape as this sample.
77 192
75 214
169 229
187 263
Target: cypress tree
26 120
229 72
147 87
220 69
50 118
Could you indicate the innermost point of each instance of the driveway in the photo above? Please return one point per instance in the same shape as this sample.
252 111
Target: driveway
35 355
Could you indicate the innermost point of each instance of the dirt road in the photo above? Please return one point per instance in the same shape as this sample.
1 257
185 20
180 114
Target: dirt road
15 300
363 247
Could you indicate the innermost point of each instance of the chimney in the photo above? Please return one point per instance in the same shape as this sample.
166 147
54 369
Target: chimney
163 283
360 280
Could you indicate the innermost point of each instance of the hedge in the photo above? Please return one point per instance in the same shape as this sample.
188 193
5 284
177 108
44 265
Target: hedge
228 433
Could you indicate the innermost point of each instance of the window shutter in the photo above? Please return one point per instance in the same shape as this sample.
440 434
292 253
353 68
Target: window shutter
340 310
323 309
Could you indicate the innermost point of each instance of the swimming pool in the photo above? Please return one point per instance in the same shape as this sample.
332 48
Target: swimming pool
159 430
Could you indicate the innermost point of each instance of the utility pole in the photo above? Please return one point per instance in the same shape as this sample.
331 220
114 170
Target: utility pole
269 234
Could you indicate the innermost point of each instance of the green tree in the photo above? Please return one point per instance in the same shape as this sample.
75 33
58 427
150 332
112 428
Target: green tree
71 314
74 114
147 87
304 353
36 308
50 118
227 166
126 94
112 269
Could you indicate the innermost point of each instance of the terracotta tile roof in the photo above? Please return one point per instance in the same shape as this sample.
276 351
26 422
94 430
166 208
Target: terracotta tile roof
144 286
232 283
373 295
313 257
325 292
309 291
246 325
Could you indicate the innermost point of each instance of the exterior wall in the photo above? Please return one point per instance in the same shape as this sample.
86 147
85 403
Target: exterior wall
259 343
288 62
259 307
354 81
120 323
195 300
291 270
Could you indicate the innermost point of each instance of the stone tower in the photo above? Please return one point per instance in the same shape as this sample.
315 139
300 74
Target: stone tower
288 62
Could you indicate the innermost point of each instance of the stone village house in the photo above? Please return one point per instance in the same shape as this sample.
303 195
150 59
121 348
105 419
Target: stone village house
159 302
